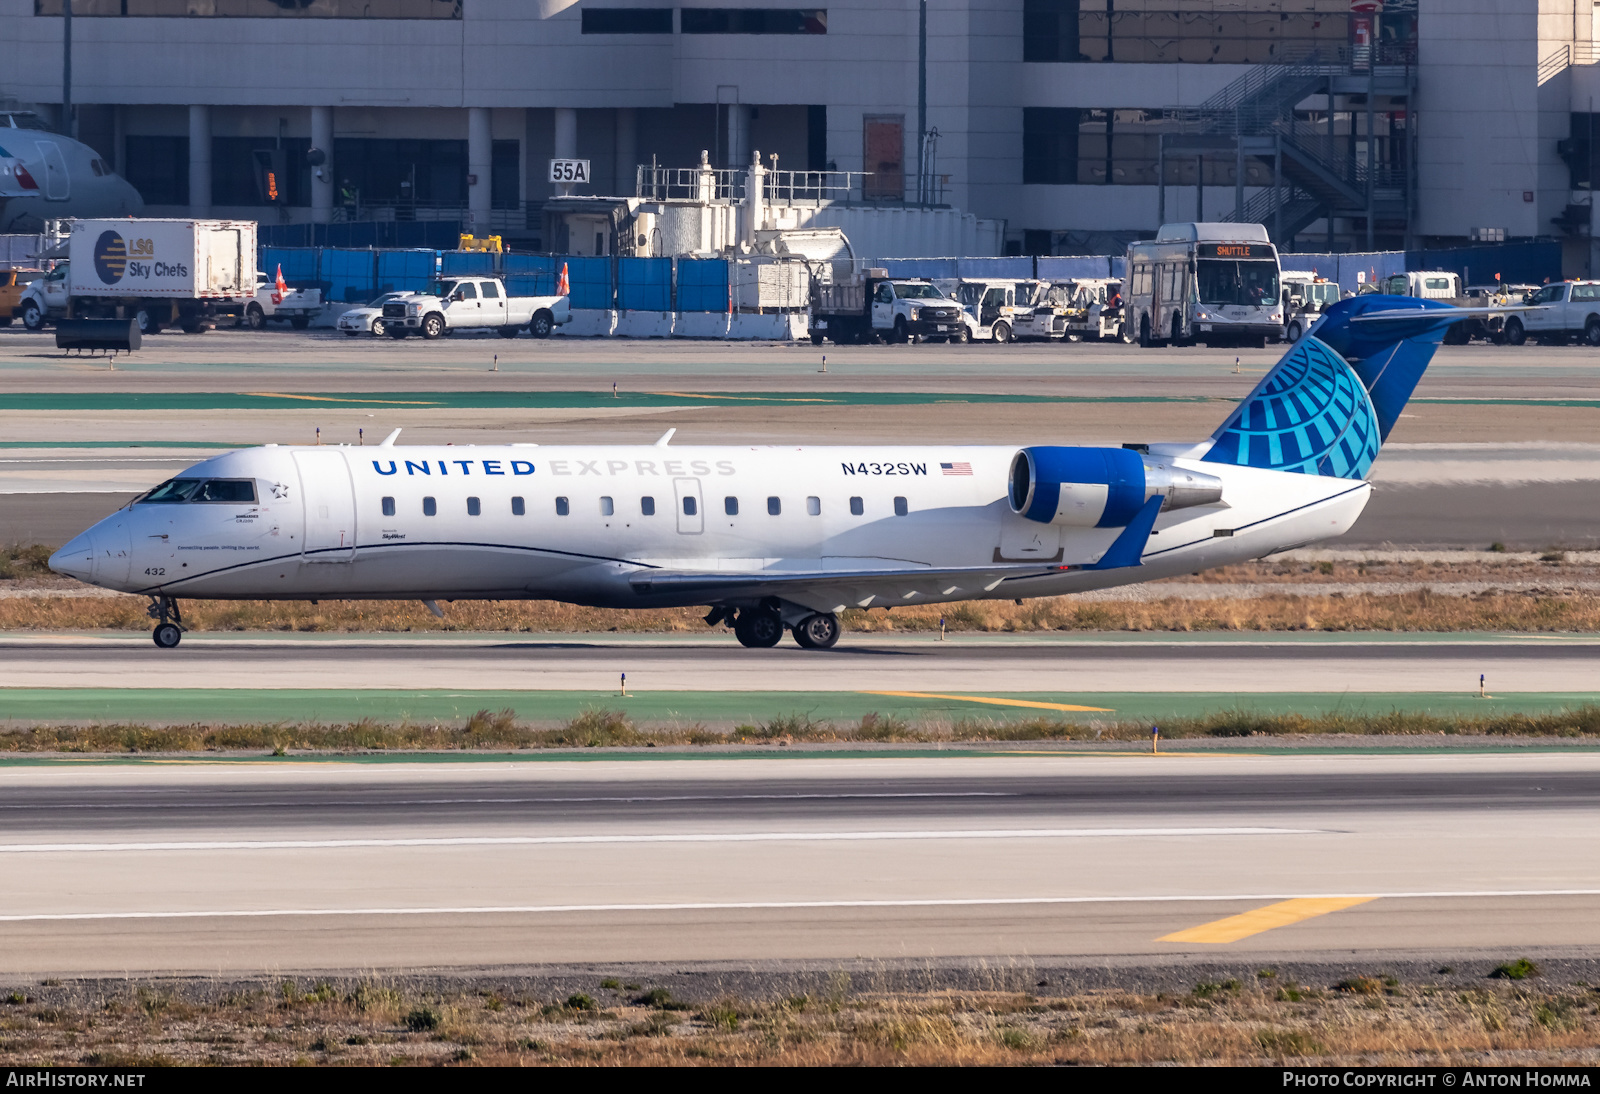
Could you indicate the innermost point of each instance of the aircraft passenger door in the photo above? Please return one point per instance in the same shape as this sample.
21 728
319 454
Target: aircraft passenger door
329 499
691 513
57 183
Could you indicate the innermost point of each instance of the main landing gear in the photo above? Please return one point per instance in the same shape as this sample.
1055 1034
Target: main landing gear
169 631
762 627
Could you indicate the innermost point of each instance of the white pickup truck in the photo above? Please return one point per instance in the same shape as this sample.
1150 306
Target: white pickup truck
1557 314
467 303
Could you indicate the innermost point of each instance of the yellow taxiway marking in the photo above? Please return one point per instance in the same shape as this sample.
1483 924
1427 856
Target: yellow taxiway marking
331 399
991 701
1281 914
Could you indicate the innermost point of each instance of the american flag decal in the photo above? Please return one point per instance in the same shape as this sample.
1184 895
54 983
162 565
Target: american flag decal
955 468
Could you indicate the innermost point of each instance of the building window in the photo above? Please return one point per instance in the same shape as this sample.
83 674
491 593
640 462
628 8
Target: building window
1202 31
430 508
402 172
388 507
236 176
1063 146
474 507
260 9
730 506
562 508
518 507
627 20
774 507
752 20
814 507
900 507
857 507
647 506
158 167
505 175
606 507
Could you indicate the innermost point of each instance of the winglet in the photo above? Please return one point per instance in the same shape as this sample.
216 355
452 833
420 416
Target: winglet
665 437
388 442
1128 549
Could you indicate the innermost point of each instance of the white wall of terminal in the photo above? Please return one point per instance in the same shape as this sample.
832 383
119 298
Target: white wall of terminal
1489 108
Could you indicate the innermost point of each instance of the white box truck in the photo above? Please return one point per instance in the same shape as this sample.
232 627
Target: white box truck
162 272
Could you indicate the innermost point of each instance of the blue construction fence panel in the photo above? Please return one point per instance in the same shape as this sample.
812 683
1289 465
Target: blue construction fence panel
530 275
406 271
1530 263
299 265
433 235
590 282
703 284
351 276
467 264
644 284
1011 268
1351 271
1072 267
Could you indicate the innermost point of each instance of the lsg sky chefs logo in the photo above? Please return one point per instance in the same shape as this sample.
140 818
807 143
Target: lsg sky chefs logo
115 258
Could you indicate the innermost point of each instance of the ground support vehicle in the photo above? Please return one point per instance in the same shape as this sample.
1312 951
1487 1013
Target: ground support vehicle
875 307
1095 310
1305 297
995 309
368 319
1048 307
473 303
13 283
161 272
1557 314
1211 283
1499 294
297 307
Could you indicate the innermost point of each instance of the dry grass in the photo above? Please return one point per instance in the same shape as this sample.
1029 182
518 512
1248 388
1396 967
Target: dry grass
1417 611
376 1022
500 731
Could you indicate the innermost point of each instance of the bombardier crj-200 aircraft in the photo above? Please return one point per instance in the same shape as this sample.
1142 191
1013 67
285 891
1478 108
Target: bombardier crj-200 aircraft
778 538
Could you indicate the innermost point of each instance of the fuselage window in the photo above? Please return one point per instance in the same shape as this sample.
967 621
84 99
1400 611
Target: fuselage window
647 506
518 507
900 507
562 508
730 506
774 506
857 507
690 506
474 507
430 508
388 507
606 508
814 506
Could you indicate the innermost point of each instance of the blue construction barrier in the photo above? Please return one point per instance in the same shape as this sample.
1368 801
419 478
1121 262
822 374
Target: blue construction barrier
703 284
530 275
299 265
467 264
644 284
406 271
590 282
1530 263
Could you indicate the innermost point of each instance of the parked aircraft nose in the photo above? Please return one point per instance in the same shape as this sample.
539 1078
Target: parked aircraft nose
76 559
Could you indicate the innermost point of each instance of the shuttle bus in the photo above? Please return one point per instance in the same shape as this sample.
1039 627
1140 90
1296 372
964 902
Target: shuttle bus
1211 283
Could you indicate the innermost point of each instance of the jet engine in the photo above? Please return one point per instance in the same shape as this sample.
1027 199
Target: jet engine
1101 487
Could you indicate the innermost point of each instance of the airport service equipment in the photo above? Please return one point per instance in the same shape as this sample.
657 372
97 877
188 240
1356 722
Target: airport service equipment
13 283
160 272
871 306
779 538
995 310
1558 314
1211 283
1305 297
474 303
297 307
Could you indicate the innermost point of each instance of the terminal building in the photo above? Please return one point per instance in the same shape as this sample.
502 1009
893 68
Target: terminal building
1075 125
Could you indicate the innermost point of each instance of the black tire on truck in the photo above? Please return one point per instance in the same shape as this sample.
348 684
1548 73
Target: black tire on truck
542 323
254 317
32 316
1000 333
149 320
900 336
1591 331
432 325
1515 334
508 332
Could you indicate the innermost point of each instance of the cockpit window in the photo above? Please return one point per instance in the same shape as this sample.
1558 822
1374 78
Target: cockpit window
234 491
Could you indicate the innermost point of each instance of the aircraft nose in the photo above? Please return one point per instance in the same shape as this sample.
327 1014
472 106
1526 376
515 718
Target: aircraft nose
76 559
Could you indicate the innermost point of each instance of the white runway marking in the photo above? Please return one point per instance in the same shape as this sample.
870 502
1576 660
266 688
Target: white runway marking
134 803
781 905
685 837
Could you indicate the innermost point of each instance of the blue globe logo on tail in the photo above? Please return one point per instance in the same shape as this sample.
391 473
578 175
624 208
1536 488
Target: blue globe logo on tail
1311 415
110 257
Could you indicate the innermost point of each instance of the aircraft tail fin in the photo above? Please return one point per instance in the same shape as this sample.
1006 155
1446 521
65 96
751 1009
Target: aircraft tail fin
1329 404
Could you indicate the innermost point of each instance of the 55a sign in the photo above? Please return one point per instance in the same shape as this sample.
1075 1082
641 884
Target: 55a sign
569 170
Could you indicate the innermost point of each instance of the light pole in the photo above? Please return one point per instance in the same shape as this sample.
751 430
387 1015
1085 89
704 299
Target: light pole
66 67
922 96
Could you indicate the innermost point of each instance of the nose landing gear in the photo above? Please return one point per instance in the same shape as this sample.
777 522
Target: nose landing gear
169 631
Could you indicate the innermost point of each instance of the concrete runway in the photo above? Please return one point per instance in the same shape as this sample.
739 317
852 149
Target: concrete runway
214 868
860 663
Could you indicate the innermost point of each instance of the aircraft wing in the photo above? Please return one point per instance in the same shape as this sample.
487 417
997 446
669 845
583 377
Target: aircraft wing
1395 315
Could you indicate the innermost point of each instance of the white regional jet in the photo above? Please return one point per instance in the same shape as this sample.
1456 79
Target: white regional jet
46 176
775 538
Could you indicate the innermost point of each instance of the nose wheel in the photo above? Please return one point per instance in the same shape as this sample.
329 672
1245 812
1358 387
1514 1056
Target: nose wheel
169 631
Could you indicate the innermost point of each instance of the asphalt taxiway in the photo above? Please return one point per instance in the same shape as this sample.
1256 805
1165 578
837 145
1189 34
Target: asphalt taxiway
345 866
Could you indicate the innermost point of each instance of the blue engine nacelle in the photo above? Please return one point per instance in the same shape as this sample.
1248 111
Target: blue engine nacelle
1101 487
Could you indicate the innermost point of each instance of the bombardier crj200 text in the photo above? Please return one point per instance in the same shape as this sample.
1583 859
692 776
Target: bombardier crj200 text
775 538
